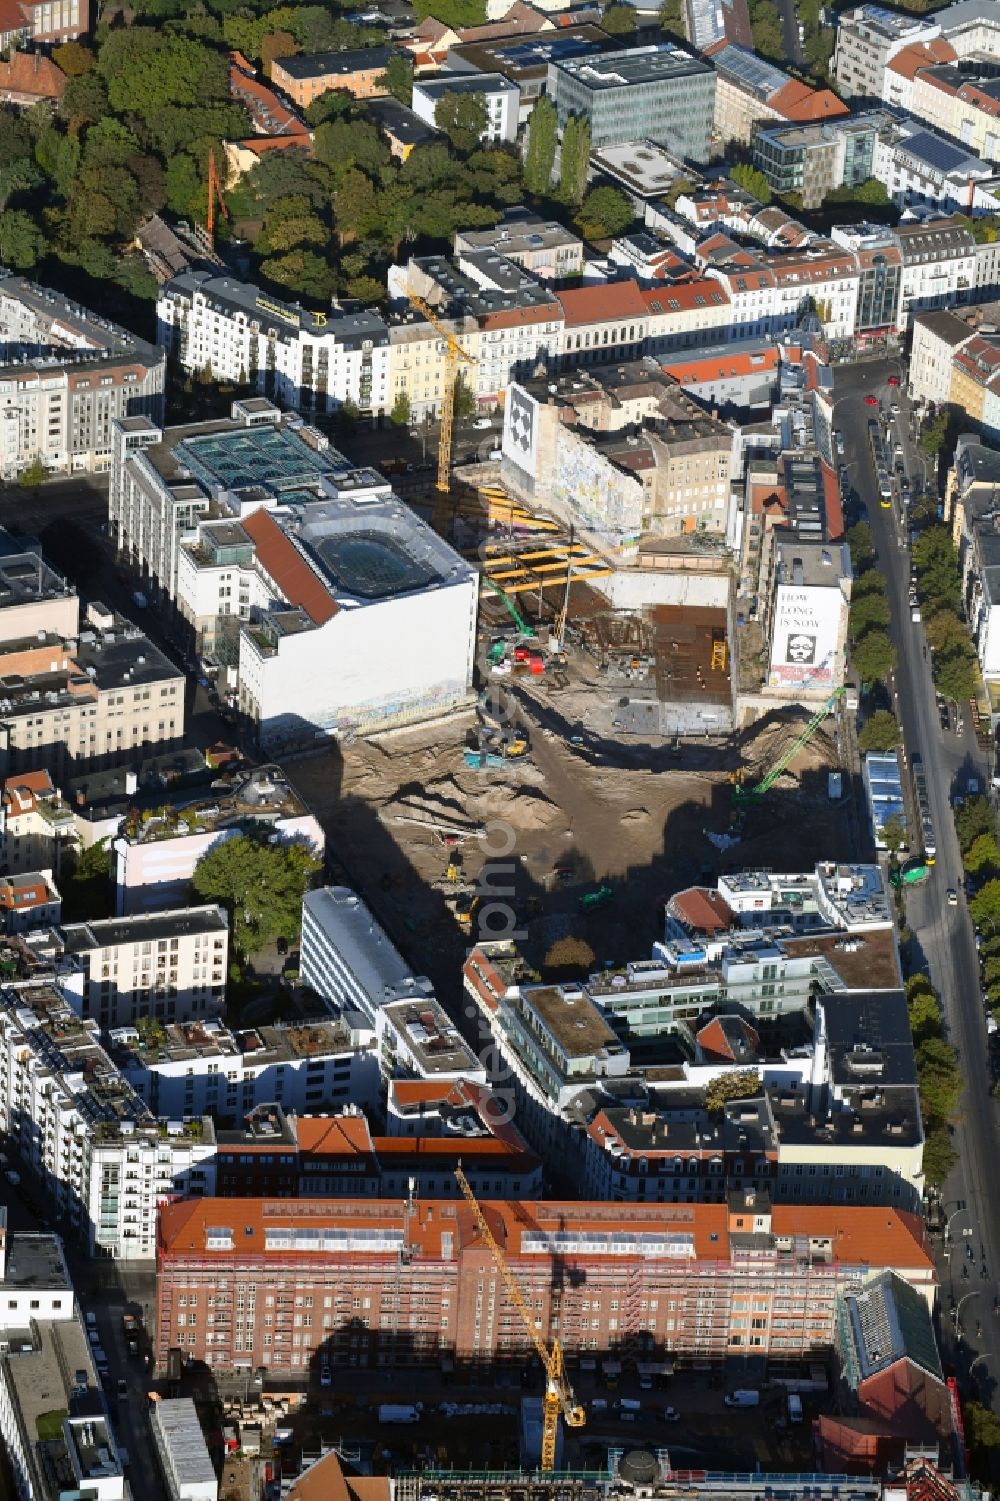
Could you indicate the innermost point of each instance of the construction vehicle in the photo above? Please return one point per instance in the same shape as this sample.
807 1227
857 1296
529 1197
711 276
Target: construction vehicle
743 795
454 354
559 1396
483 759
465 906
528 631
592 901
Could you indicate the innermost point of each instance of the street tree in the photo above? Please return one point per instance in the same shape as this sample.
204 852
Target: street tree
879 733
982 860
975 817
939 1156
261 886
925 1016
894 833
934 433
22 243
401 410
985 906
955 676
874 656
870 608
862 547
940 1078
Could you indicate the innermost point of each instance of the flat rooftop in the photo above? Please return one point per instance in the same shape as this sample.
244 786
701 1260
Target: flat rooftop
36 1261
645 167
26 578
435 1042
861 960
41 1378
633 67
570 1017
154 927
465 83
453 293
869 1040
263 795
273 458
182 1042
362 944
375 549
102 661
877 1114
226 295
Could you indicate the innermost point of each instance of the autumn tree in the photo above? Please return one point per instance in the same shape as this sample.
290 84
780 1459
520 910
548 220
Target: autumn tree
540 153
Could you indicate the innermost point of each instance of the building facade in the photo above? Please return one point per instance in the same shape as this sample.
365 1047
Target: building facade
241 1284
657 93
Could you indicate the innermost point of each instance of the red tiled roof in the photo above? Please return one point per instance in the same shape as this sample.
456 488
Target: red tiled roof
695 368
702 909
289 569
832 504
12 17
301 141
797 101
333 1134
686 295
908 62
29 73
616 299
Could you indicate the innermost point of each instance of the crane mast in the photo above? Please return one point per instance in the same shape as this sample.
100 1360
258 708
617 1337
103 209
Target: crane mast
559 1397
453 355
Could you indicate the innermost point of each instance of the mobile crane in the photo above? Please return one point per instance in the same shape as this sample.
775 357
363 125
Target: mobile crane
559 1396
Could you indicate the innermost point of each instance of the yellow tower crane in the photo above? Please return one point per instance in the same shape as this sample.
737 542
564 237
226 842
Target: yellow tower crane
559 1396
454 354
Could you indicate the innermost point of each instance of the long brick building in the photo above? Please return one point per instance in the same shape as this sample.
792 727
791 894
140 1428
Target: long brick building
250 1282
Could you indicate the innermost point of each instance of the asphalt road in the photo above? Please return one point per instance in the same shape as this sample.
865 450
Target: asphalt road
790 31
943 934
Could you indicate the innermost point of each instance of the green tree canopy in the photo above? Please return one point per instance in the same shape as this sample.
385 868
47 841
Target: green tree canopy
22 243
939 1154
540 153
880 732
619 20
982 859
874 656
868 609
934 433
862 547
940 1079
672 18
985 906
603 213
973 818
453 13
753 180
743 1084
894 833
401 410
463 117
261 886
74 59
574 159
397 79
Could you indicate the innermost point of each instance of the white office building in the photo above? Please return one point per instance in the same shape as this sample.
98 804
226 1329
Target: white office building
348 959
501 98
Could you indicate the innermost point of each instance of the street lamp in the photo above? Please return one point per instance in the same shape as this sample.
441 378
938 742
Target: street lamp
957 1312
962 1209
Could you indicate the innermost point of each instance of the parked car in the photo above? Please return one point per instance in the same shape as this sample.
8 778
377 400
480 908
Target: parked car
482 424
952 896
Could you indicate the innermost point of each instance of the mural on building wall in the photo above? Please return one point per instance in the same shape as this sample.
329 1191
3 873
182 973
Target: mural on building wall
602 495
805 650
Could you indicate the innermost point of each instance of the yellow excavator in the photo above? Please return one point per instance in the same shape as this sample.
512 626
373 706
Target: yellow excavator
559 1398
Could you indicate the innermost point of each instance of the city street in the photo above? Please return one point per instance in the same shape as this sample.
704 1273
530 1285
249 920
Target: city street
943 934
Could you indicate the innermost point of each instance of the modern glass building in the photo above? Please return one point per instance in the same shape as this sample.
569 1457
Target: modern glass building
656 93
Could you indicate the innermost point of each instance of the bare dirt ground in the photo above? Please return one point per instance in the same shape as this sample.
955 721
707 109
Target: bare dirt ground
631 815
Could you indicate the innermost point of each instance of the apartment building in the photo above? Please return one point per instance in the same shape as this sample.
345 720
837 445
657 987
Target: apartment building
749 88
156 847
694 1283
936 339
36 825
309 361
29 901
974 483
542 247
200 1068
358 71
65 375
100 697
100 1158
920 167
657 93
603 324
508 321
805 622
170 966
975 369
276 1155
500 97
48 22
822 275
781 943
939 265
868 38
685 315
417 354
348 959
838 1134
